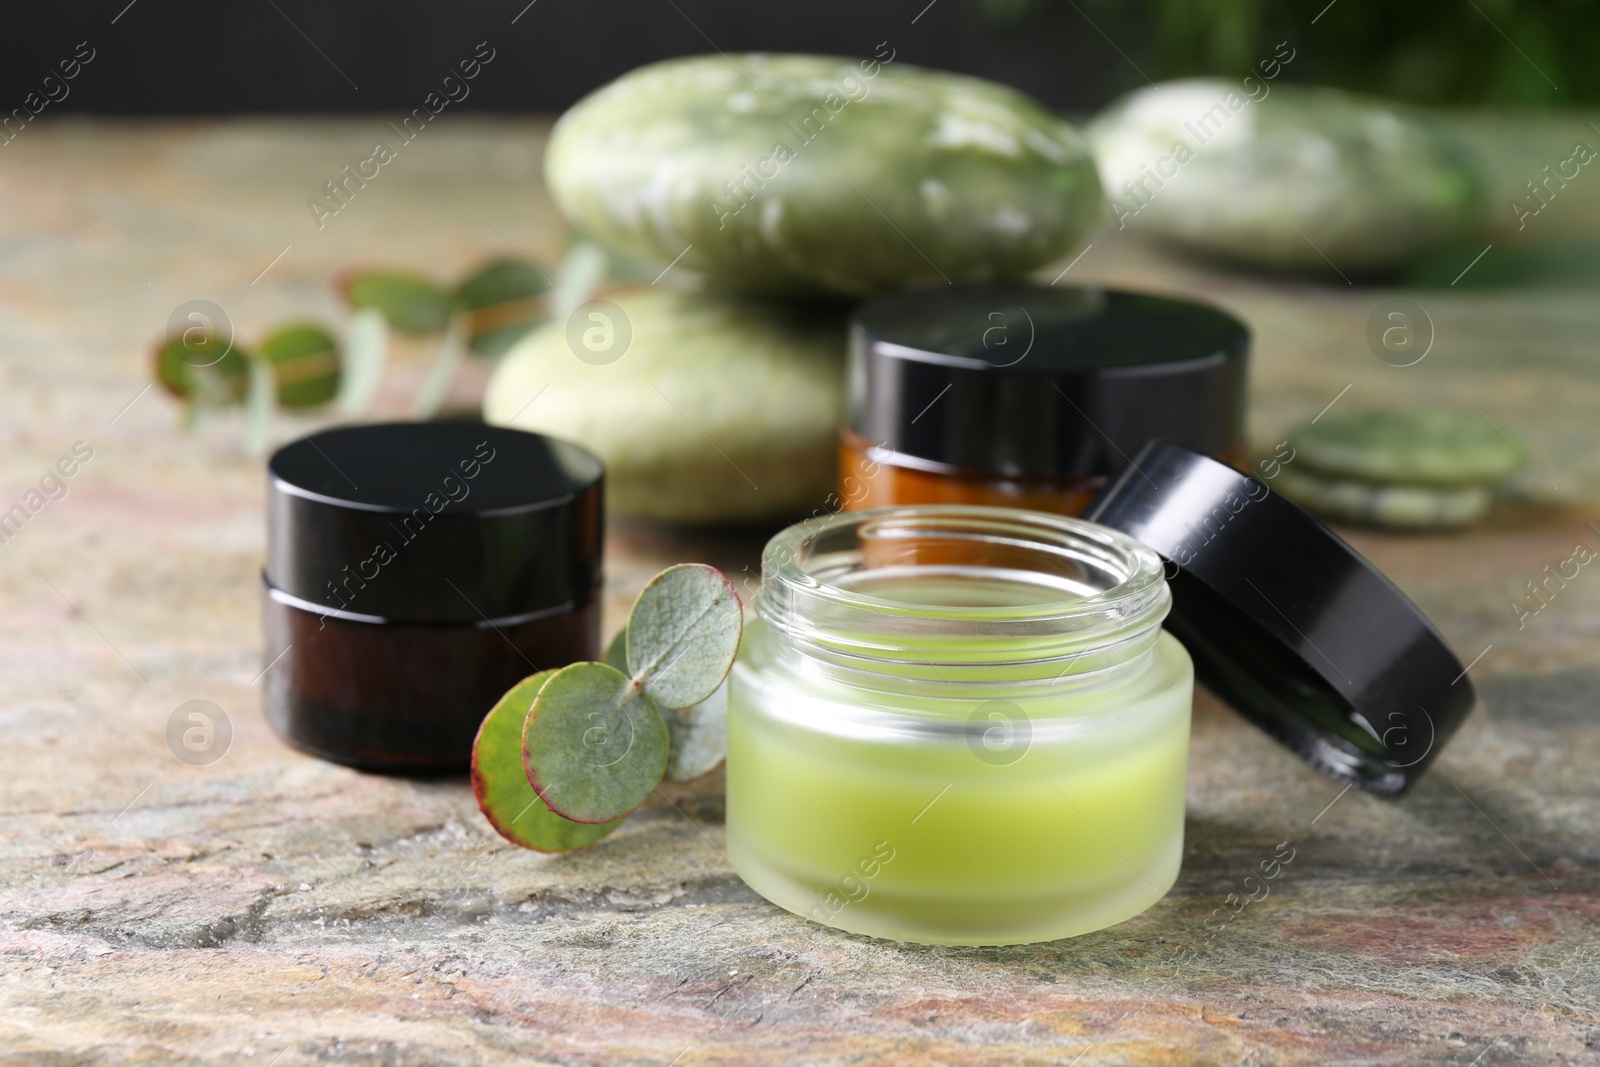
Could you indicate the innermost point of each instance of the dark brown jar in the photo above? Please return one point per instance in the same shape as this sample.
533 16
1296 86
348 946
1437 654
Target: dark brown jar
415 572
1031 396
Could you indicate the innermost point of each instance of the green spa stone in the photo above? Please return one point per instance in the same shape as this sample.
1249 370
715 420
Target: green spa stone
1408 507
1429 447
706 408
1302 178
805 174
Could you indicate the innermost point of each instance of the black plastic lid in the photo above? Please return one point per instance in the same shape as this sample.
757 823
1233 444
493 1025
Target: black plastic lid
433 522
1288 623
1037 381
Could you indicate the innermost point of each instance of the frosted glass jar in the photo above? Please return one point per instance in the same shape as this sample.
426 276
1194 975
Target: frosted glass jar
959 725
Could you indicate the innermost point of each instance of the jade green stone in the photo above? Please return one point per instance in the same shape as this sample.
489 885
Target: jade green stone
1301 178
1408 507
717 410
796 173
1435 447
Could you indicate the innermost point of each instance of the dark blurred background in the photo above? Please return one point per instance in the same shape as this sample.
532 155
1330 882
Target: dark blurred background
192 57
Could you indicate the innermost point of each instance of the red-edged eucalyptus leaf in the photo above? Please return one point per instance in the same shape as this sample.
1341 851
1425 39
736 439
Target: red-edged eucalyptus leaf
500 782
683 634
698 733
594 745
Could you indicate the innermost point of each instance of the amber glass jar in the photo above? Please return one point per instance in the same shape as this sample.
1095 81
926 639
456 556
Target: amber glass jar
415 572
1031 396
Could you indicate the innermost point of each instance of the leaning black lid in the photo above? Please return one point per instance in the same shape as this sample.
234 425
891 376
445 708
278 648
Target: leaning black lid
1039 381
1288 623
433 522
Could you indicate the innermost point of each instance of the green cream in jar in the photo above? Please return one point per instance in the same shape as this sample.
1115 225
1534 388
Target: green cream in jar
959 725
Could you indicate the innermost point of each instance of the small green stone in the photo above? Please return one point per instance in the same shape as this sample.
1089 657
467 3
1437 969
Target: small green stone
1434 447
705 408
1407 507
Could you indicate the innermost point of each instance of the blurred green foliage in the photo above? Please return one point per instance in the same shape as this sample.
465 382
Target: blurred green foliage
1509 52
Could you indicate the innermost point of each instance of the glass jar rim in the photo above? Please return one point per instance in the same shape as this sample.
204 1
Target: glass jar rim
1113 597
1142 586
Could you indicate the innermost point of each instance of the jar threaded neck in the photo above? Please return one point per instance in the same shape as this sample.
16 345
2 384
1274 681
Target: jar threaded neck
960 594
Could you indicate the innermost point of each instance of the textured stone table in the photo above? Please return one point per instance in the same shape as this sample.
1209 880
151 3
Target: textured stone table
270 908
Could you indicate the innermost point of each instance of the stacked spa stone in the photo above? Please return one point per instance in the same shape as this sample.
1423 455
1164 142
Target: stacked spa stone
1418 469
772 191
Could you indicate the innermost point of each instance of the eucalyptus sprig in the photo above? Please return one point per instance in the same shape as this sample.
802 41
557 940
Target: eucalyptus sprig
493 306
567 754
488 312
296 366
305 365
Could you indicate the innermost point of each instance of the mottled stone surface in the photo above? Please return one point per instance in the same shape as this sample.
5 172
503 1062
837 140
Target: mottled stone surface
270 908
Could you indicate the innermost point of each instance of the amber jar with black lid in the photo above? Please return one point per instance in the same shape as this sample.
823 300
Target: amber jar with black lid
414 573
1031 396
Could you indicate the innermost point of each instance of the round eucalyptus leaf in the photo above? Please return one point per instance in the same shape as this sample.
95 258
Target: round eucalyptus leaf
506 300
410 304
698 733
617 651
203 368
500 281
683 634
699 736
499 781
305 364
594 745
